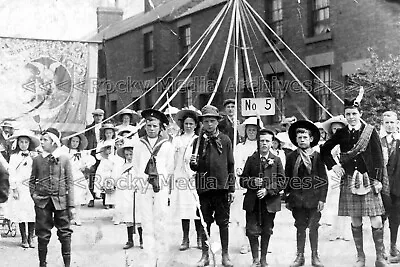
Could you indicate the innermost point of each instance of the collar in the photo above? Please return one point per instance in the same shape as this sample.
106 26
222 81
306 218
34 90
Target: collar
266 156
56 153
357 127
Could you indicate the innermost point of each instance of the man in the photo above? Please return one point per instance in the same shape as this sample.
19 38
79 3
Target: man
262 199
215 180
52 191
227 124
391 150
361 167
5 146
93 137
4 183
307 188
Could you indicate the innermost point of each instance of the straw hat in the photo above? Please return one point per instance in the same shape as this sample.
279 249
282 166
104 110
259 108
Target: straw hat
171 110
98 111
127 144
34 141
252 121
83 143
337 119
108 126
187 113
105 144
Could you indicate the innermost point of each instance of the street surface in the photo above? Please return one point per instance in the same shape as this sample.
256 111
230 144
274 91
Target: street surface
98 243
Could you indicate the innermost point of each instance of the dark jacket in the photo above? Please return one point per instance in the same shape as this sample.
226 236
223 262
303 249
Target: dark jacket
91 137
57 187
215 171
371 160
273 180
393 167
305 190
4 184
7 147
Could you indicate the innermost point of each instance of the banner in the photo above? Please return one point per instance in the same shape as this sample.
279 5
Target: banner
44 78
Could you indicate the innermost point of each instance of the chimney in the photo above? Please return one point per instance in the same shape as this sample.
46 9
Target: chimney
156 3
108 14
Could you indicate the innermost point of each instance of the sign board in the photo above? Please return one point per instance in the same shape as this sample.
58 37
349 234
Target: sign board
262 106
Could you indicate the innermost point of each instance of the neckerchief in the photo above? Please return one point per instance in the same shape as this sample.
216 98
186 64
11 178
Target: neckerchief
305 158
360 146
210 139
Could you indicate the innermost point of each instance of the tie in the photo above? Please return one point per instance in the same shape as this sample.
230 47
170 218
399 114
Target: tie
25 154
263 163
77 156
52 159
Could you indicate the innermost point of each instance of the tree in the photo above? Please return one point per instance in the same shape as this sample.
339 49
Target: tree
381 82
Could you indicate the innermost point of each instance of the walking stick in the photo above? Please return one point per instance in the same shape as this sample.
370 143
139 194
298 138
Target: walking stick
261 168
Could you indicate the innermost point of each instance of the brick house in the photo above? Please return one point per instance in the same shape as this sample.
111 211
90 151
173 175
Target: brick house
331 37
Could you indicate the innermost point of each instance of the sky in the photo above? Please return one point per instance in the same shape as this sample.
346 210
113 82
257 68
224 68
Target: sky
56 19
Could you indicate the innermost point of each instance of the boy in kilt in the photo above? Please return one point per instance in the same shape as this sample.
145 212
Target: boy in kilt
306 189
391 155
263 177
52 191
215 180
363 182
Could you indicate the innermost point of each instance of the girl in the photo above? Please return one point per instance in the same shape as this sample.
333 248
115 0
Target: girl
80 161
182 197
242 152
107 133
126 118
20 168
126 199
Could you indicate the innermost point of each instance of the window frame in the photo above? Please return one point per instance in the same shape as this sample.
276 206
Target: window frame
278 92
320 92
317 7
185 41
275 24
148 51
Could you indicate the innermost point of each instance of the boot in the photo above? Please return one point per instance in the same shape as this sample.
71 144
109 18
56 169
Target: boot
377 234
66 252
129 244
254 245
264 249
301 242
185 229
198 226
42 251
313 235
140 231
91 204
22 229
204 261
359 242
394 253
224 236
31 231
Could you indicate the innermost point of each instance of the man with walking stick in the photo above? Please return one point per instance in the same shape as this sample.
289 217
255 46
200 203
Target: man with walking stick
215 180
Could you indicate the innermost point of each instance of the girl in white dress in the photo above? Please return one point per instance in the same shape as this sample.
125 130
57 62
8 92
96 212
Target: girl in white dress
81 160
127 118
242 152
20 167
183 193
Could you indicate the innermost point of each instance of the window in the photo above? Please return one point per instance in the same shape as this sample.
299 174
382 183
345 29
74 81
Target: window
185 42
148 49
274 13
320 17
276 85
321 93
113 107
102 103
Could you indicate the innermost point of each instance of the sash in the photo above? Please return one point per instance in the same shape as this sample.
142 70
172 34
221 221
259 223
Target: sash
360 146
151 166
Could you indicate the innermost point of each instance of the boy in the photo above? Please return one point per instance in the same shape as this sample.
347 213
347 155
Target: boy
51 188
307 188
262 199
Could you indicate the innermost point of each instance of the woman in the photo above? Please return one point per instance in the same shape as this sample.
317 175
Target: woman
126 117
20 167
183 195
153 161
80 160
242 152
340 225
126 208
276 148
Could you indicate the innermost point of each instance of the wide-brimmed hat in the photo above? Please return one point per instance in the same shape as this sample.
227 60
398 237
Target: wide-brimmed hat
83 143
127 144
129 112
187 113
108 126
289 120
6 124
210 111
34 141
98 111
155 114
337 119
306 125
171 110
252 121
105 144
319 125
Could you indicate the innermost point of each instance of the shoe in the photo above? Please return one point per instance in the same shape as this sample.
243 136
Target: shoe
244 249
31 242
256 263
185 244
128 245
91 204
25 244
299 260
226 262
78 223
204 261
315 261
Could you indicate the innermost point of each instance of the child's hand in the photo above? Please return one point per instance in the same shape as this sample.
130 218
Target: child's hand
15 194
338 170
261 193
320 206
258 181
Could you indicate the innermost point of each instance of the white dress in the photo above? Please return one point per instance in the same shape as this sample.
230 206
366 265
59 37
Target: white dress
183 194
104 178
79 162
242 152
20 168
153 210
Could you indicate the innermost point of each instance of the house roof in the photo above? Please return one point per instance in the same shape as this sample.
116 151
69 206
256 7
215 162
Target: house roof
169 10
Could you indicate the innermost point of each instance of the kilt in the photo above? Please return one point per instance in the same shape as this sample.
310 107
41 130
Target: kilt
352 205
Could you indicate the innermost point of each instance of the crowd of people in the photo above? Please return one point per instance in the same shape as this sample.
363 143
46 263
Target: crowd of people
190 165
